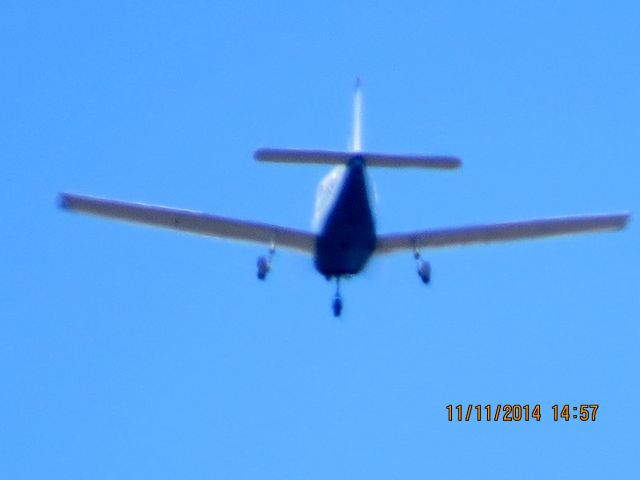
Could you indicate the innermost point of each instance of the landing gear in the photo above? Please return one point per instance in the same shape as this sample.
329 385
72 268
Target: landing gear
337 306
337 300
423 268
264 263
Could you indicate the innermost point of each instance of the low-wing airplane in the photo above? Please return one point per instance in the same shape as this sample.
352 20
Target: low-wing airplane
346 236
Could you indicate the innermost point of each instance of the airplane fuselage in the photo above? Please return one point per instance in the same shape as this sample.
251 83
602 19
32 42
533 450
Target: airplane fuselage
348 238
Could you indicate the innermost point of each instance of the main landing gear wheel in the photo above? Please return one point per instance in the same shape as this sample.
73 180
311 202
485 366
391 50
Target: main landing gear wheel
423 268
337 300
264 263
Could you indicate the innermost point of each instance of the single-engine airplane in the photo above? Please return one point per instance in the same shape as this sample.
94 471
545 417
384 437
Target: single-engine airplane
346 236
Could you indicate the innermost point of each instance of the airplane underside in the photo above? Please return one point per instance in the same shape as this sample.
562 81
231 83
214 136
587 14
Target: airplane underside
348 238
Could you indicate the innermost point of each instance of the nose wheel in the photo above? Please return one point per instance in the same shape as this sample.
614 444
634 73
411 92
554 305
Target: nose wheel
336 305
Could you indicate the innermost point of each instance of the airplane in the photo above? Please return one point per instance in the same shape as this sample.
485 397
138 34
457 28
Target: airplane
345 236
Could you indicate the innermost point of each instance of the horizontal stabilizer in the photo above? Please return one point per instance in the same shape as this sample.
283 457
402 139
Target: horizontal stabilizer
329 157
193 222
545 227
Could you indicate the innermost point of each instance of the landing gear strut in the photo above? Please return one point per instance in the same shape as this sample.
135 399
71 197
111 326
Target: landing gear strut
423 268
264 263
337 300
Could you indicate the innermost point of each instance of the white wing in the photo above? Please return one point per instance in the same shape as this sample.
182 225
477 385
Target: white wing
283 155
193 222
545 227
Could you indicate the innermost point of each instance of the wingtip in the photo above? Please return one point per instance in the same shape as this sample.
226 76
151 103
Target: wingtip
615 221
63 201
625 219
263 154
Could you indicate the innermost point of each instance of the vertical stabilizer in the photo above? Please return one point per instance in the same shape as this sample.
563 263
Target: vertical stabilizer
356 141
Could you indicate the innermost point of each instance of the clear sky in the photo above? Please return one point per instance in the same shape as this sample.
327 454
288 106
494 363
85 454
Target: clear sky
132 352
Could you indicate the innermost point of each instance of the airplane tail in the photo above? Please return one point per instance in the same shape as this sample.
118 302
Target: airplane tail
356 139
330 157
371 159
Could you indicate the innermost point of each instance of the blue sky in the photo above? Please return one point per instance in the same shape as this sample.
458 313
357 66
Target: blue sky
129 352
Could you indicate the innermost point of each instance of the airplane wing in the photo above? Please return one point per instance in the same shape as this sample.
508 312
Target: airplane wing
329 157
192 222
545 227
